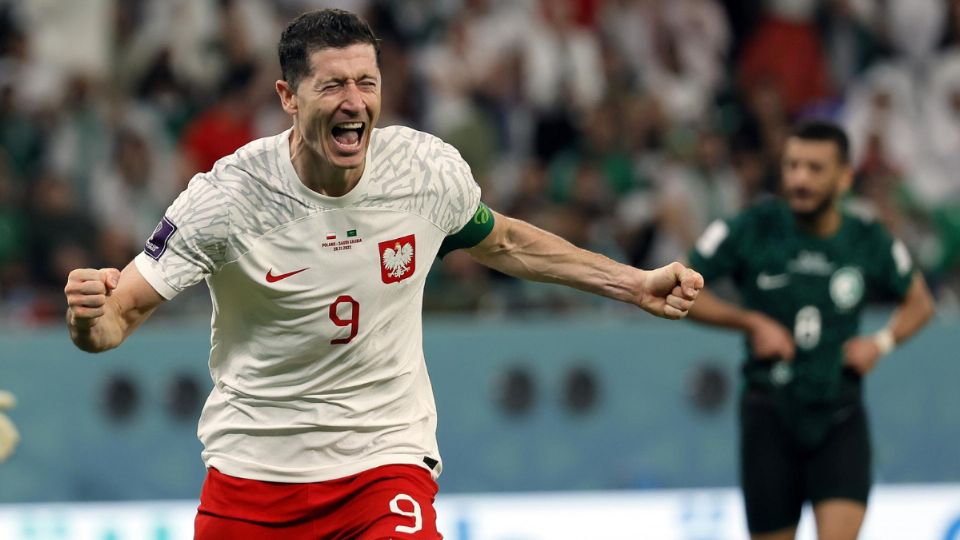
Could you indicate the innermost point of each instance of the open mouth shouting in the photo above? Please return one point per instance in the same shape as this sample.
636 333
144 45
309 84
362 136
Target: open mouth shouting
348 137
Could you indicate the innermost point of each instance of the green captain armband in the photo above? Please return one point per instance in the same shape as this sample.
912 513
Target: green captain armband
471 234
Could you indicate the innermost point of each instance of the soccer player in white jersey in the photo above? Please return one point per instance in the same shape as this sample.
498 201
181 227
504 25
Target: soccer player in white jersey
315 245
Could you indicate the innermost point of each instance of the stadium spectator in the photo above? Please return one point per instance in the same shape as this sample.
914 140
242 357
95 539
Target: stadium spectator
704 63
225 126
784 51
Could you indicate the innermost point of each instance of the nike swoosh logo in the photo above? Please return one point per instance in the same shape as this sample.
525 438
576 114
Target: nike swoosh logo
767 281
275 278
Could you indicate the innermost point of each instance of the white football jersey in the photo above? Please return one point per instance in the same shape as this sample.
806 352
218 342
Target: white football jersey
316 344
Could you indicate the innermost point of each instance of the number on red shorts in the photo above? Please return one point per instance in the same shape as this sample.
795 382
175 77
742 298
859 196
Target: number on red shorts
415 513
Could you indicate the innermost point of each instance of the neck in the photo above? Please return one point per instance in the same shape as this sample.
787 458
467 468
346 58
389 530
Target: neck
824 223
318 174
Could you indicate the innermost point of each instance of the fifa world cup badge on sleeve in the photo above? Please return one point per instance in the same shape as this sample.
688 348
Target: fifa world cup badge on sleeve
157 243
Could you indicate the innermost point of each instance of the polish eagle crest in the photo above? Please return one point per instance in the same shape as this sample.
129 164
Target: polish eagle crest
398 258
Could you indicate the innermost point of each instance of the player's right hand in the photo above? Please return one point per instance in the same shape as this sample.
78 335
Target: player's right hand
769 339
87 291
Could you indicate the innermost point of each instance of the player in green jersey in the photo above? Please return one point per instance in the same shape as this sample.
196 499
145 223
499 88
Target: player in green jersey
804 269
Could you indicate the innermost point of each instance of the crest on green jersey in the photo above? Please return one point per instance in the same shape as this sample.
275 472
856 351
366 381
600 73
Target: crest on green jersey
846 287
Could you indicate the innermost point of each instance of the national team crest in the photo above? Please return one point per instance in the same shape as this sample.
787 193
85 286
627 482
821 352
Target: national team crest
847 287
398 258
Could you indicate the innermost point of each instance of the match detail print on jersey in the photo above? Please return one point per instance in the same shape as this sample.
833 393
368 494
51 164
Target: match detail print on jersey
398 258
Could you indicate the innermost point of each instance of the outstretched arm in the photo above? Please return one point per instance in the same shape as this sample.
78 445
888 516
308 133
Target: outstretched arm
105 306
521 250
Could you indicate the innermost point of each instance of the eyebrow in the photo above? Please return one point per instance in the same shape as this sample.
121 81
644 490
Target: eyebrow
340 79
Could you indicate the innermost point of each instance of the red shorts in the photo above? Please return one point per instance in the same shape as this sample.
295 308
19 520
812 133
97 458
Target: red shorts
389 502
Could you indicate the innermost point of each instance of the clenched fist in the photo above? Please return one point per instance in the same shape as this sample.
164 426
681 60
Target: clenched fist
670 291
87 291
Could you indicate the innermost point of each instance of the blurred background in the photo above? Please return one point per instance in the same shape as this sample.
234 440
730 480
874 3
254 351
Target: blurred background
625 126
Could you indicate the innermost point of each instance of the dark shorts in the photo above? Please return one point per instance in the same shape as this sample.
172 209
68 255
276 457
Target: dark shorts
779 473
393 501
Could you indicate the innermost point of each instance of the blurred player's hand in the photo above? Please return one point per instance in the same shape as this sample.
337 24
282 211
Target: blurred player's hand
87 291
9 437
670 291
861 353
769 339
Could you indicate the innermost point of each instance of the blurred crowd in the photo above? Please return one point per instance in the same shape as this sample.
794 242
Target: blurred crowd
625 126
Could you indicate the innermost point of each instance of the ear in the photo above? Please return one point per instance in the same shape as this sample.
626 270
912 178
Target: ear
846 178
288 97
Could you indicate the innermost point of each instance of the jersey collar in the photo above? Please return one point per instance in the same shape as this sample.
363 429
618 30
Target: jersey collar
293 179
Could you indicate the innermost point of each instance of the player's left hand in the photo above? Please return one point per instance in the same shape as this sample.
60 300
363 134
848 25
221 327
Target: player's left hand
861 354
670 291
9 437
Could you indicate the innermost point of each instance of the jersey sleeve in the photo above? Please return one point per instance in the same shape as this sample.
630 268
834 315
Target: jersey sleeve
462 194
715 253
190 241
894 266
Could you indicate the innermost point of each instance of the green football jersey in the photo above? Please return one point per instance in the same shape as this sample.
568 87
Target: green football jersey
814 286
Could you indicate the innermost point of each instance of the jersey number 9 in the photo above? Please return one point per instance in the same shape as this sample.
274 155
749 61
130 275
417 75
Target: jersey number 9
353 321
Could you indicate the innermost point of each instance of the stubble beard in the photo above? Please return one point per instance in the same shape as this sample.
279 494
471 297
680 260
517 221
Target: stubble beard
813 216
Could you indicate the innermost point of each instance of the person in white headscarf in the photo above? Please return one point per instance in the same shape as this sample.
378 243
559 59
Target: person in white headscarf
941 113
881 113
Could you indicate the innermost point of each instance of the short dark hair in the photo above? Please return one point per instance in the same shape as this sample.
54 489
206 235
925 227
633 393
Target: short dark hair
320 29
821 130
